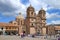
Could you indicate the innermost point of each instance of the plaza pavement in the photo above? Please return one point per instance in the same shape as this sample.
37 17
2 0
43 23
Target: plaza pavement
8 37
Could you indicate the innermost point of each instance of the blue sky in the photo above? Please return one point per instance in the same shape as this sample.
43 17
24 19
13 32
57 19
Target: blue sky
9 9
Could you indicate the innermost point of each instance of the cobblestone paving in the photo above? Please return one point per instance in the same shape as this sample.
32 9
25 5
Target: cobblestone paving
5 37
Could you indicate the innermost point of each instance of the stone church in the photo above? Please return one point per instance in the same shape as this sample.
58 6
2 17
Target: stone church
35 23
32 24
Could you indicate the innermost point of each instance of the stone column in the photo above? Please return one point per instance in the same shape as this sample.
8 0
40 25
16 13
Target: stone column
19 30
43 31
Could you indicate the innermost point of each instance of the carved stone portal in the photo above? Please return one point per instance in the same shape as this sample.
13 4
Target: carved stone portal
43 31
32 30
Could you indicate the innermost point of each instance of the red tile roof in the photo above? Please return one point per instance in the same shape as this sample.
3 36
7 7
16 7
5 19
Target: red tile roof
7 24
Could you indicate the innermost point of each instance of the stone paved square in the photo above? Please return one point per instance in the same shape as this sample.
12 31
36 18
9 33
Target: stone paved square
8 37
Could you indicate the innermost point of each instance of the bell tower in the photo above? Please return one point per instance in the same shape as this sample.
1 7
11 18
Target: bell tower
42 17
30 11
20 22
42 21
31 19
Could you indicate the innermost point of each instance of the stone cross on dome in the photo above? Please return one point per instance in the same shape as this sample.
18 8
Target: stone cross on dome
30 5
20 13
42 9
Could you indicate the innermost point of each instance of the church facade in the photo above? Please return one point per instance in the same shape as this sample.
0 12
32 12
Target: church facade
35 23
32 24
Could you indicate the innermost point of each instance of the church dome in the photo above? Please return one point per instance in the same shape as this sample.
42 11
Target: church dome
30 8
42 9
20 16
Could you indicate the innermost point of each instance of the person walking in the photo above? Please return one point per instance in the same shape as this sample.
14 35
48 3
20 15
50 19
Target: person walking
59 38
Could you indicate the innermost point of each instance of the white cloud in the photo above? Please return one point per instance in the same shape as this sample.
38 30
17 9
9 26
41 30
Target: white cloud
54 22
10 7
52 15
38 4
9 14
36 12
54 3
13 7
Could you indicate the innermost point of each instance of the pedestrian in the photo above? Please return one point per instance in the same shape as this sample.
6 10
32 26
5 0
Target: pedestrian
33 36
59 38
21 35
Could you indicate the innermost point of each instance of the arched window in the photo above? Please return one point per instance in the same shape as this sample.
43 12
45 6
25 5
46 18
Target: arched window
31 13
32 24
